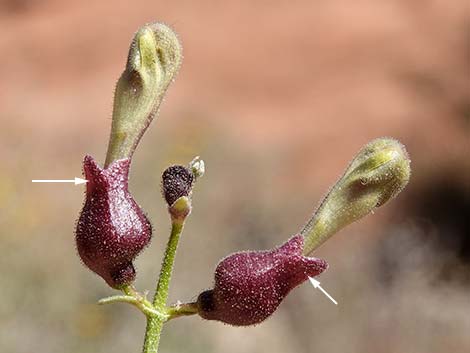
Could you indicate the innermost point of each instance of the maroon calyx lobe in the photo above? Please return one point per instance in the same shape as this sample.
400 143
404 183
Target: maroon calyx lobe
249 286
112 229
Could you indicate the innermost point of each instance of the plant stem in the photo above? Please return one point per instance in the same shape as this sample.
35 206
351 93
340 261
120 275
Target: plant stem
152 335
139 302
181 309
155 324
161 294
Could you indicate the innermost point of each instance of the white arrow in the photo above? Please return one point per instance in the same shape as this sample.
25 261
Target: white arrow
76 181
316 284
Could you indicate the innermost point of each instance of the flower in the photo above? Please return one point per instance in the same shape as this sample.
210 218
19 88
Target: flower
249 286
112 229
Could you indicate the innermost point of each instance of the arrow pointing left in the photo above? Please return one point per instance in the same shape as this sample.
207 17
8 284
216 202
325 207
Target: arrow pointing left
76 181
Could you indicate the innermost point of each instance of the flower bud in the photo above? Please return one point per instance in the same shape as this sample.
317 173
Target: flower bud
249 286
154 59
177 181
378 173
177 187
112 229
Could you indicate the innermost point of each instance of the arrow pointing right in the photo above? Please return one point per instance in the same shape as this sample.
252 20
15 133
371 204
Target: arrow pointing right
79 181
316 284
76 181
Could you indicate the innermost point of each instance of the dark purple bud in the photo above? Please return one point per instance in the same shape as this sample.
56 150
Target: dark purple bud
177 181
249 286
112 229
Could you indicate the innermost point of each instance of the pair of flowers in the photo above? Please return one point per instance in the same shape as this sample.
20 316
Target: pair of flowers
248 286
112 230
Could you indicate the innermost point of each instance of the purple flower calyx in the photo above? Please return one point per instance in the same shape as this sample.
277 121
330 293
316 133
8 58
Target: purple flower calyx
250 285
112 229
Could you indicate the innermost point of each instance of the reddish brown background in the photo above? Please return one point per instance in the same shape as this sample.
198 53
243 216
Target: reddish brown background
276 96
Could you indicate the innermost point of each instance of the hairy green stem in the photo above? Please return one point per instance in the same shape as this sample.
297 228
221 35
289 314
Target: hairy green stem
145 307
155 323
152 335
180 309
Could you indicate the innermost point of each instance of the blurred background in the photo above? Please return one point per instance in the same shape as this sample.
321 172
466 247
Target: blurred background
277 97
